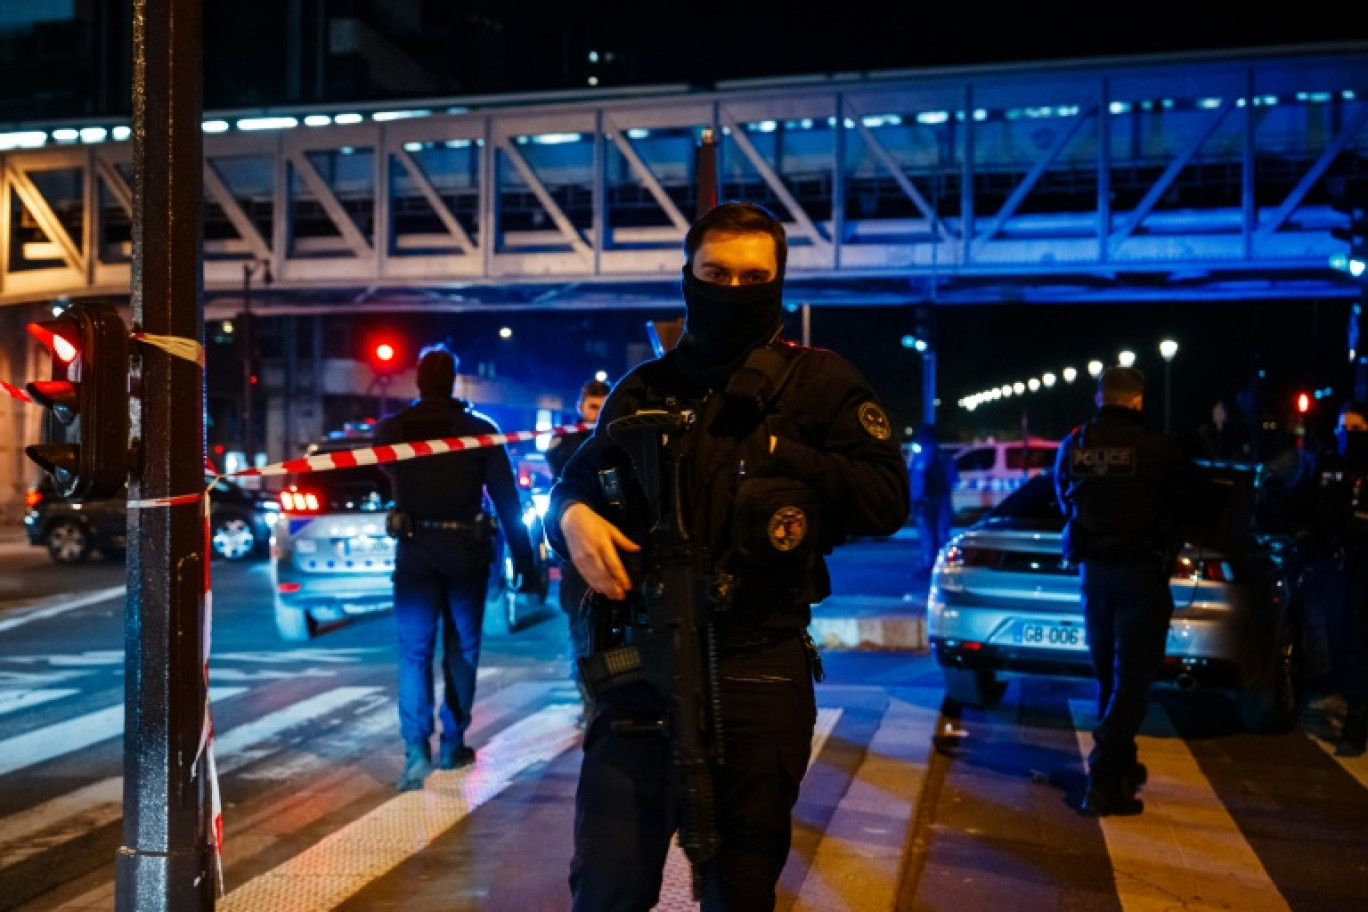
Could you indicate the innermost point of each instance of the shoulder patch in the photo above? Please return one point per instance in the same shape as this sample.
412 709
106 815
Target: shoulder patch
874 421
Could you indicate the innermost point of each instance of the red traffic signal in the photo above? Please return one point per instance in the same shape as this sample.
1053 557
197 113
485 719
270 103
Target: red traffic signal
1303 403
85 447
384 353
61 337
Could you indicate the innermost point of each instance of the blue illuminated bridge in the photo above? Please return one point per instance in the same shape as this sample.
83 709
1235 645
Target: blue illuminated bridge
1163 178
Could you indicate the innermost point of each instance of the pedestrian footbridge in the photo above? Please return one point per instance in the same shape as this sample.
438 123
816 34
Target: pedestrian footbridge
1191 177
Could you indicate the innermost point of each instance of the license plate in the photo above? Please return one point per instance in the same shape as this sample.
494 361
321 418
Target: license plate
351 547
1052 636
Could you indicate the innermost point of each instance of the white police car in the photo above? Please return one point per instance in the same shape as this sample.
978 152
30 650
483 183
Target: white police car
991 470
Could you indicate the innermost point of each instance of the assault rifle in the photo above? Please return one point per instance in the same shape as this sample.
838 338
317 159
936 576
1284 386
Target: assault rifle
674 632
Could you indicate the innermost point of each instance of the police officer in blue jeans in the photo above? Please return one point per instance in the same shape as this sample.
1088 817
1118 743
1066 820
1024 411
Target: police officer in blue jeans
1120 485
441 566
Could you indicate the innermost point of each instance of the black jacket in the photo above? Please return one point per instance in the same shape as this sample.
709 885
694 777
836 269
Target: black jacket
1120 485
1330 504
452 486
561 448
833 436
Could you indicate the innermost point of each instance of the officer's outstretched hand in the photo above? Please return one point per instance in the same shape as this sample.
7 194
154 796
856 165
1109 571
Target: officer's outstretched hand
594 543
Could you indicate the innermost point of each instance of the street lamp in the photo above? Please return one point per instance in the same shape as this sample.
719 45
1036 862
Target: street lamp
1094 368
1070 375
1126 358
1167 349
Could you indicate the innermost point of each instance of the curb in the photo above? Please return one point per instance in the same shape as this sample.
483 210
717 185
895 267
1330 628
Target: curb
870 623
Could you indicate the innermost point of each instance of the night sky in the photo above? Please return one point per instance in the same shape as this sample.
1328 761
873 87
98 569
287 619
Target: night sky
706 41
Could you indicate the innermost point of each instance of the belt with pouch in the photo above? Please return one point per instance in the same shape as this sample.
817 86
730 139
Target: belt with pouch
757 637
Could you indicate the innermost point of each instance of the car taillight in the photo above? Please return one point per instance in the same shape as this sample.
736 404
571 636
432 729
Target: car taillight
287 587
1212 569
32 497
299 501
969 556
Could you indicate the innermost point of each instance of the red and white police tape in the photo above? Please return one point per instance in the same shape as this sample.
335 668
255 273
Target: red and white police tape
400 452
15 392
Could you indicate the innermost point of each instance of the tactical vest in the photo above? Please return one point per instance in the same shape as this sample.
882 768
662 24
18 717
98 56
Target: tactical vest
763 529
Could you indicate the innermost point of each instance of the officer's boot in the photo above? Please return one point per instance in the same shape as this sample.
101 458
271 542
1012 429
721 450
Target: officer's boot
1110 793
417 766
1134 778
1353 739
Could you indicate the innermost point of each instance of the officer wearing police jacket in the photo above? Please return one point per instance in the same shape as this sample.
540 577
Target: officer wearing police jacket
1332 503
441 565
773 484
1120 485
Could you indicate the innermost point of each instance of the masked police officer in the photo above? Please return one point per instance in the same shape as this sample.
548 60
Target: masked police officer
1336 492
572 586
441 567
1120 485
788 453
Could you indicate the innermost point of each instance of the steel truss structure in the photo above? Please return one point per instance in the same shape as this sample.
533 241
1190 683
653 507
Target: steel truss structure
1161 178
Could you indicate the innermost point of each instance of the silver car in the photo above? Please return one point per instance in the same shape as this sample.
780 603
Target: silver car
1003 602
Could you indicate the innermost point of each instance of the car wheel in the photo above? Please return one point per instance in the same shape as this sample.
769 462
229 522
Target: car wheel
68 542
294 624
973 686
1275 704
232 538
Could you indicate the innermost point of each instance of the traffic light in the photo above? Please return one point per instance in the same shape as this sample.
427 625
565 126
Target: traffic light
383 355
1303 403
86 440
1355 234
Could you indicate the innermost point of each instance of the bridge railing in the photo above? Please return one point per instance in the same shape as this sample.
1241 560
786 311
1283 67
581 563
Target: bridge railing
1043 173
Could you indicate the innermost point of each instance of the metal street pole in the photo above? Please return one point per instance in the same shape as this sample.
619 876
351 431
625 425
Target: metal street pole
247 342
165 861
929 387
1168 397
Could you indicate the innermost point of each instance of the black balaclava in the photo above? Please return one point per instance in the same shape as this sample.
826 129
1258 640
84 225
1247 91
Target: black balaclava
1353 446
723 323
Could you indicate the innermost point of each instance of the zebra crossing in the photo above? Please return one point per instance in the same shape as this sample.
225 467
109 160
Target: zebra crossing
307 758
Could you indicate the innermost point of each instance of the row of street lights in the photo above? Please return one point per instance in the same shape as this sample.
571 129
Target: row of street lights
1168 348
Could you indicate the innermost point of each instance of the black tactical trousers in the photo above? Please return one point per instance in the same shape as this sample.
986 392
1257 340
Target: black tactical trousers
1127 609
624 816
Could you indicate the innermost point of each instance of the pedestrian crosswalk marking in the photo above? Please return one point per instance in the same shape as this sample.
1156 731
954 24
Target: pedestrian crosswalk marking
39 828
676 889
15 700
1185 851
44 610
859 859
339 866
73 734
1354 766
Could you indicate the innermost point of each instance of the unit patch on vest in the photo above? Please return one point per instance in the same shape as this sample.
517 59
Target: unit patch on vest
1103 462
787 528
875 422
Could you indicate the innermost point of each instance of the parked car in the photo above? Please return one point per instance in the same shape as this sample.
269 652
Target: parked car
332 558
240 523
991 470
1004 603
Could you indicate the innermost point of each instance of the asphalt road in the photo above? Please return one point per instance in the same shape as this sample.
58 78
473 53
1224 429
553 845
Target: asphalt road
908 804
